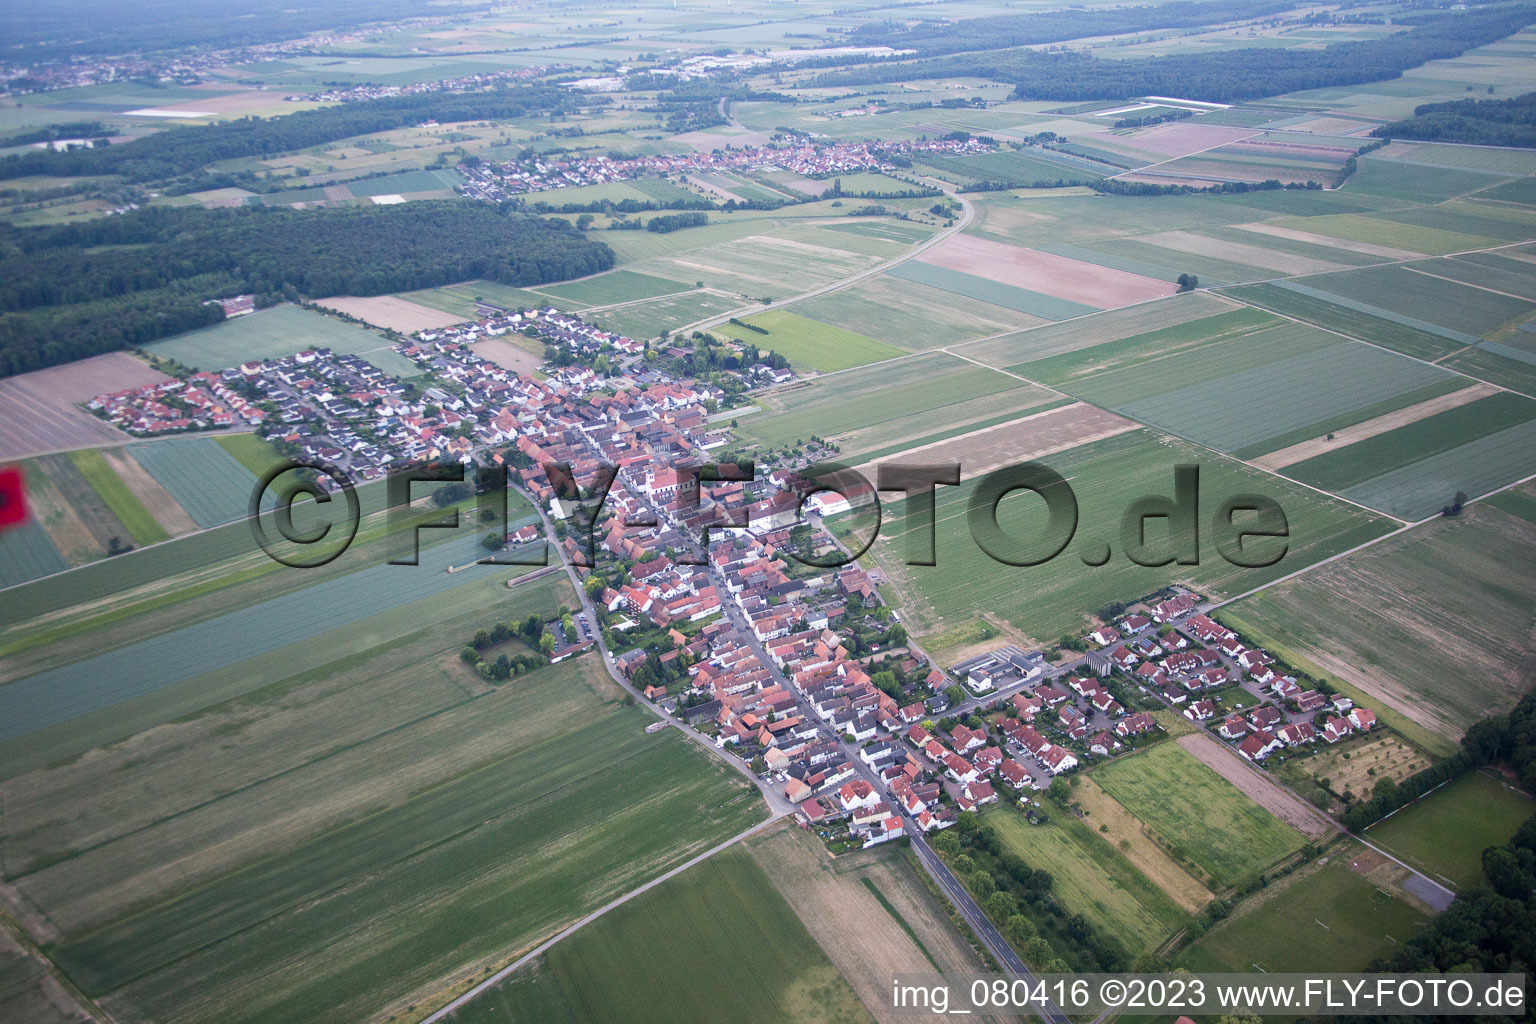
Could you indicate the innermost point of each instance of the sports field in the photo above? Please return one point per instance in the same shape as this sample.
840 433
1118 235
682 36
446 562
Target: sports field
1199 816
809 343
1331 919
1446 832
1042 602
641 961
1092 878
1451 648
883 405
279 331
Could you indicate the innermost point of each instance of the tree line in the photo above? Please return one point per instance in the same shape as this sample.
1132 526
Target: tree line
1510 122
77 290
184 149
1217 76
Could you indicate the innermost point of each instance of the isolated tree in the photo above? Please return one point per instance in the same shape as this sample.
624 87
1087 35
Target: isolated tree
1188 282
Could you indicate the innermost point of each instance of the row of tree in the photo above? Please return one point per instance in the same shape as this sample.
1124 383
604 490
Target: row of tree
76 290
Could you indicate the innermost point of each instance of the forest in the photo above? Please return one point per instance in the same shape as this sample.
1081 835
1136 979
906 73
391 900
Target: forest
1510 122
933 39
1219 76
185 149
77 290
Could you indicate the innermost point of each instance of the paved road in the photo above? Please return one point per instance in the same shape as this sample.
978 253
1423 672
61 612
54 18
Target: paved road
539 950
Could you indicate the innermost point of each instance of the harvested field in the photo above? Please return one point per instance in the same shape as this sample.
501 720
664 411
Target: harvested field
1020 440
508 355
1042 272
1435 623
1238 252
1386 252
1131 836
1174 140
865 938
390 312
166 510
1371 427
39 410
1256 785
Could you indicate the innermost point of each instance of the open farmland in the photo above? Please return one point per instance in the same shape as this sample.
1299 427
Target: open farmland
204 479
980 289
909 315
647 319
1324 918
1446 832
1417 292
1452 645
39 411
27 552
1044 601
1358 320
1197 814
1072 280
808 343
1092 878
391 312
641 961
464 869
868 910
83 499
615 286
124 504
1348 435
760 265
887 404
1119 827
279 331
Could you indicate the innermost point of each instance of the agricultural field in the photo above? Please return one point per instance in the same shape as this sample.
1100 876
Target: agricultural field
1036 604
1452 648
26 553
670 313
868 910
40 411
723 912
279 331
491 768
980 289
1415 468
614 286
1446 832
757 265
808 343
1069 280
1417 292
119 499
897 401
911 316
1353 765
1004 165
1092 878
1198 816
1323 918
207 481
1373 324
390 312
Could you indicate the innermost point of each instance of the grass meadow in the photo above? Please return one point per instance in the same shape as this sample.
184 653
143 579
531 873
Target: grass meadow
1446 832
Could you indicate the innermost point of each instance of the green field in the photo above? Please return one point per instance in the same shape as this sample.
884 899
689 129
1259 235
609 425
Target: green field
969 286
1044 601
642 320
1039 344
1092 878
204 478
1415 292
1004 165
909 315
1198 815
521 807
809 343
1378 231
26 552
279 331
615 286
1331 920
129 510
881 405
252 451
1433 623
1446 832
1395 449
642 962
749 257
1363 323
1520 503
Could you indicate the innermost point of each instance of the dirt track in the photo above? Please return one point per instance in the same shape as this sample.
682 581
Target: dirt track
1257 786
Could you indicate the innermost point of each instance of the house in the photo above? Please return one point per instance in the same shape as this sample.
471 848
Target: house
959 769
1104 636
857 795
1135 725
1056 759
1201 710
1014 773
965 740
911 713
1341 703
1335 729
1309 701
987 759
1259 746
1233 727
1296 733
1106 704
980 793
1133 624
1104 744
1266 717
1362 718
1175 606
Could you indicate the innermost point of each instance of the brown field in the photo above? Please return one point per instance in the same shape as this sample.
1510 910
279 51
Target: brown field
234 103
166 510
1174 140
1238 252
1042 272
62 522
1386 252
391 312
38 410
82 497
848 921
1128 833
508 355
1257 786
1030 437
1371 427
